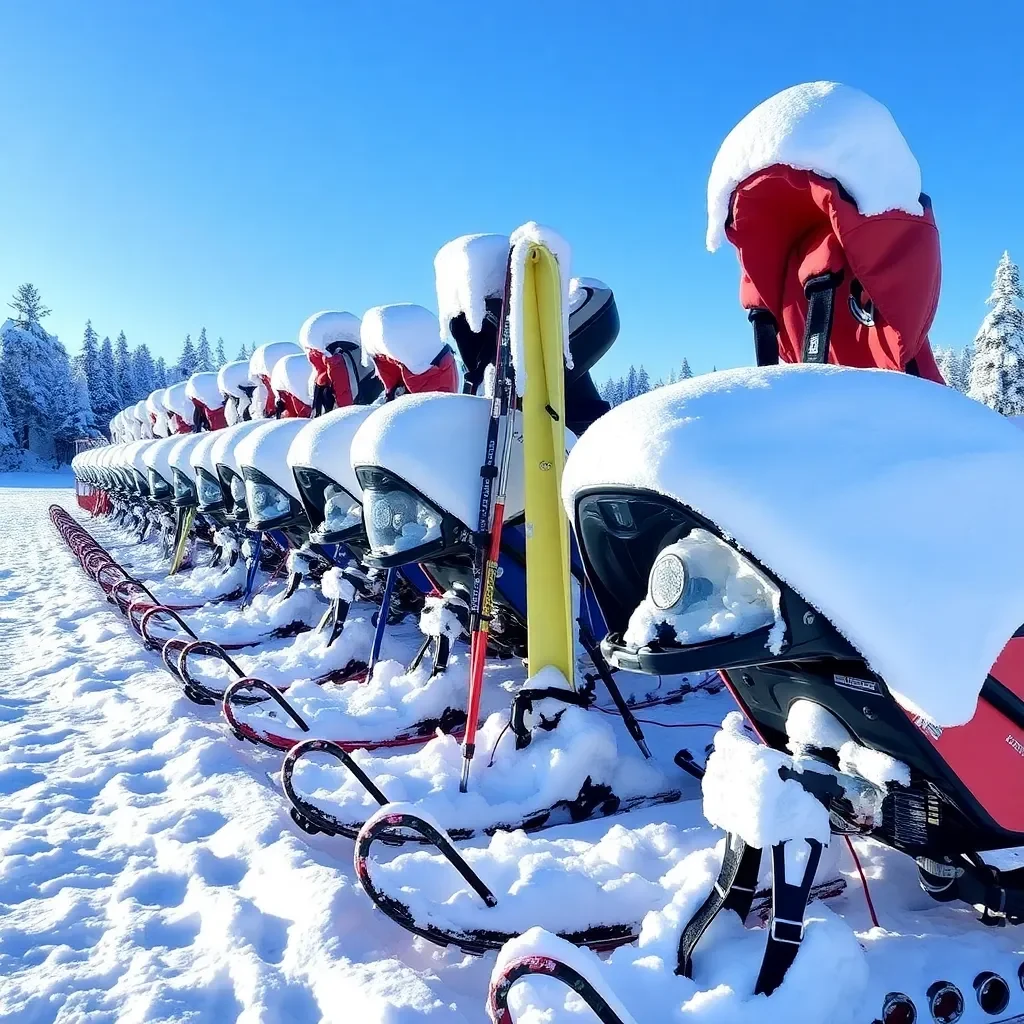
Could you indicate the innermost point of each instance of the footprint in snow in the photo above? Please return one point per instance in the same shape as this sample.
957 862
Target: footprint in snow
158 889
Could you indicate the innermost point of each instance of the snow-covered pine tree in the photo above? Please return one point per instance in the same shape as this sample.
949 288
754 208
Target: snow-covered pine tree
186 364
125 371
964 369
685 373
997 367
243 353
218 354
89 360
28 306
142 365
10 451
74 416
159 373
204 360
643 381
112 402
629 391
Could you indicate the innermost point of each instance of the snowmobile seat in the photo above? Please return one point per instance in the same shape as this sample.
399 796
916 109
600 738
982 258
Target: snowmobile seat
179 408
331 342
292 383
207 400
838 248
261 368
236 387
271 494
401 342
706 553
158 414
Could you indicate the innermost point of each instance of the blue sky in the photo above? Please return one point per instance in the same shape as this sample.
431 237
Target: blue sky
169 165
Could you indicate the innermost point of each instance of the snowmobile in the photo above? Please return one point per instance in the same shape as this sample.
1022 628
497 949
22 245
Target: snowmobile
703 556
158 422
261 367
237 386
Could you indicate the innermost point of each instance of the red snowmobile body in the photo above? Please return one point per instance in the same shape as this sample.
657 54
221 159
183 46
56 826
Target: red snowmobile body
337 371
798 234
213 418
178 425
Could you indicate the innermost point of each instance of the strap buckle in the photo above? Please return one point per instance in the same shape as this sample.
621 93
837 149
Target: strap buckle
796 933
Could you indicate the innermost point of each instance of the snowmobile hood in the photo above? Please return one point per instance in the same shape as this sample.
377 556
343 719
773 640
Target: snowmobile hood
201 456
224 452
157 414
436 443
325 444
142 418
293 375
404 332
157 456
468 271
232 377
180 455
887 502
203 387
266 357
266 450
135 452
329 328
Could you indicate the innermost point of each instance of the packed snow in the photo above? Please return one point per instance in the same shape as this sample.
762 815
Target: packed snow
879 455
831 129
328 328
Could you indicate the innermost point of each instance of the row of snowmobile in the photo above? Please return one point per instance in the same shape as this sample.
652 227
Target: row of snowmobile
337 543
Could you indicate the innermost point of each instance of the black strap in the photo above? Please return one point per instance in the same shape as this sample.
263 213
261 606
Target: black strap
766 337
821 298
786 925
733 890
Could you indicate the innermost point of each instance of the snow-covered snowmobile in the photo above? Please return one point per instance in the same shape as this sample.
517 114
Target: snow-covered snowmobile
703 555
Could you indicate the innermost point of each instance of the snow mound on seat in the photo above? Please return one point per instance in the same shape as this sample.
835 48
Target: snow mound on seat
469 270
401 331
204 387
293 375
888 502
225 447
831 129
326 328
232 377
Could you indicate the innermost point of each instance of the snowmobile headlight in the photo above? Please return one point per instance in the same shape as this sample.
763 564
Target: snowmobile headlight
184 489
341 511
210 492
397 520
667 581
238 490
266 501
159 488
702 589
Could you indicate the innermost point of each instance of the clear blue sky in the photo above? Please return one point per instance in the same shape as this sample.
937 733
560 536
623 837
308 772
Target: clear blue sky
169 165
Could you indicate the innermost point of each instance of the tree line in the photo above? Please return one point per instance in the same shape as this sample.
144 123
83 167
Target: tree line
49 400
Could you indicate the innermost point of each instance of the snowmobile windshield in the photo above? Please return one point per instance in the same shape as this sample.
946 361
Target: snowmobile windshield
401 525
184 489
209 492
269 506
159 488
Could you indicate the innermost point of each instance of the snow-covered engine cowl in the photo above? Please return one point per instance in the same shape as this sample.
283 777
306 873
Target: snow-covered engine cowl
331 343
271 494
158 469
183 475
292 384
320 461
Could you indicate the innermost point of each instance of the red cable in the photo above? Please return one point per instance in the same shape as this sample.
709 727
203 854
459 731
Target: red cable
864 883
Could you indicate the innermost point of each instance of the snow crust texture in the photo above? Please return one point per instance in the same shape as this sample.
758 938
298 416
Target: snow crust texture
832 129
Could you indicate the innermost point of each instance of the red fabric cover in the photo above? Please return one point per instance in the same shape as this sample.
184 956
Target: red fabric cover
443 376
789 225
178 425
294 408
270 407
333 370
214 417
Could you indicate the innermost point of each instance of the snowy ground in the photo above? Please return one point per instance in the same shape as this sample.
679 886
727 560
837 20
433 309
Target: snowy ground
149 870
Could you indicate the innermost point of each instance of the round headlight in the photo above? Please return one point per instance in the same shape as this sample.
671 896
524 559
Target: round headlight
398 521
266 501
210 492
667 581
